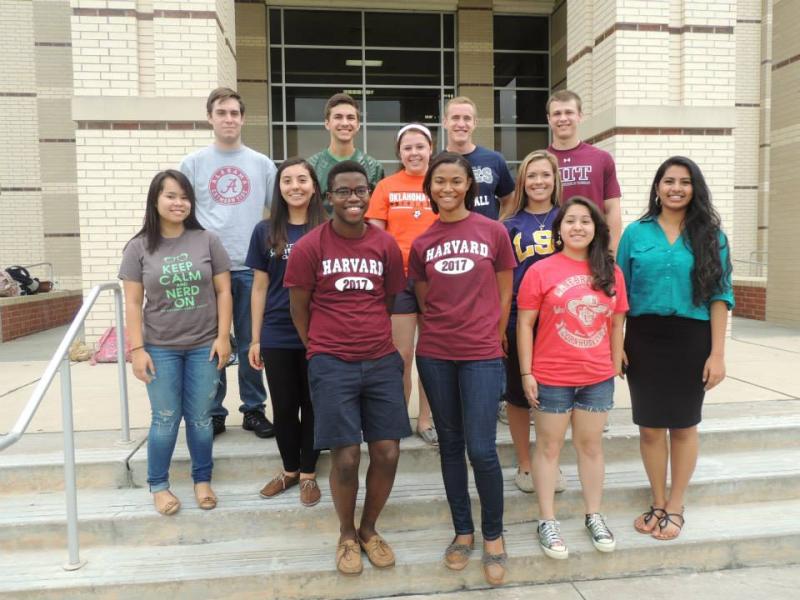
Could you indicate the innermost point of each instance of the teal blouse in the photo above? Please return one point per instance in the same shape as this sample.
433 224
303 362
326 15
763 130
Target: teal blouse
658 274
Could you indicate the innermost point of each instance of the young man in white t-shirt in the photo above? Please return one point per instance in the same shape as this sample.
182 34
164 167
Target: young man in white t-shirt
233 185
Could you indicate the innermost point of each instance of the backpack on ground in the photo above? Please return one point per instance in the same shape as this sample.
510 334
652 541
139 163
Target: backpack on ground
8 285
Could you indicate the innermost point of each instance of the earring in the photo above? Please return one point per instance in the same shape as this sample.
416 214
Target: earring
558 242
658 201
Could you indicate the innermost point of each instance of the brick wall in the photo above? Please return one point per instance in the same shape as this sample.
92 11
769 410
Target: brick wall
751 297
25 315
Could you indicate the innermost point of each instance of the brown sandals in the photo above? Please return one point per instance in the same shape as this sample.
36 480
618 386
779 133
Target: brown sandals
647 516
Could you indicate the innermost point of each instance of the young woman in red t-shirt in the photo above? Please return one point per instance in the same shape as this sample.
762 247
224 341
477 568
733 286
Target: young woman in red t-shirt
578 296
399 206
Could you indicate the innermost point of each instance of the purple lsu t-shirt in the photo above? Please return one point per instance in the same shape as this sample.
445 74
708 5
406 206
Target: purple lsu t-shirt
349 280
462 308
589 172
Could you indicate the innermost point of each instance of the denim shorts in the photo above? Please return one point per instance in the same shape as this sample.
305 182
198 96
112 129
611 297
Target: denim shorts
354 398
598 397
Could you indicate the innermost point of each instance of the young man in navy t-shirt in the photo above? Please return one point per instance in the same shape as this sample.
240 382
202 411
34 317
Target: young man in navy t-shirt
495 184
342 279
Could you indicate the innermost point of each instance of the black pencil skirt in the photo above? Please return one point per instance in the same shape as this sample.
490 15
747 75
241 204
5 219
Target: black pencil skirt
666 356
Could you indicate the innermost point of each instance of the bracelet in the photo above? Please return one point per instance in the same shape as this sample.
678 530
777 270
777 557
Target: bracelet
135 349
524 374
255 343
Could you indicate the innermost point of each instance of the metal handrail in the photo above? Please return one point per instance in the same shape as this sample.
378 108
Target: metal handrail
52 275
60 363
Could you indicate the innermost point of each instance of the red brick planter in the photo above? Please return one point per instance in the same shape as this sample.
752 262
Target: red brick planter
24 315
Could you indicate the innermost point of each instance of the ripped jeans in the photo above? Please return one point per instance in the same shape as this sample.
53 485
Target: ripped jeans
183 386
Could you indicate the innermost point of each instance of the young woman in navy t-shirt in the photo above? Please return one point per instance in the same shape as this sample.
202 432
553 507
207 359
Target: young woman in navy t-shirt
276 347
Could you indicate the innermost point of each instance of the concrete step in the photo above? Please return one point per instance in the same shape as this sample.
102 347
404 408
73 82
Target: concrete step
239 456
302 567
126 516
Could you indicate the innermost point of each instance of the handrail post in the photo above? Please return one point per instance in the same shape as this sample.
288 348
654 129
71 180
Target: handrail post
70 484
123 378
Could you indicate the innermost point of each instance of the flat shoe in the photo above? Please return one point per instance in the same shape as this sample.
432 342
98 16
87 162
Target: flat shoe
494 567
456 556
664 522
170 508
207 502
379 553
647 516
348 558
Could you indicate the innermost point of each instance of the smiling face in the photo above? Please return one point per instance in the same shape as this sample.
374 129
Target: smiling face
343 123
415 152
226 118
297 187
675 189
348 206
540 180
577 229
460 122
449 186
173 204
564 118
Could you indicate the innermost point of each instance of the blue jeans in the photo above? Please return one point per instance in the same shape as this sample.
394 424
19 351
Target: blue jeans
464 395
251 382
183 386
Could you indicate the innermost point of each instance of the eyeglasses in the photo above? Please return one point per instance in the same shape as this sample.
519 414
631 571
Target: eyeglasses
343 193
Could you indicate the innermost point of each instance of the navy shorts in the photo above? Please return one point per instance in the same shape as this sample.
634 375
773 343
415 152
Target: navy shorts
598 397
352 399
405 303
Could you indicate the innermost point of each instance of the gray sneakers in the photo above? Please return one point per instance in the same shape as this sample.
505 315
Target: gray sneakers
601 535
550 539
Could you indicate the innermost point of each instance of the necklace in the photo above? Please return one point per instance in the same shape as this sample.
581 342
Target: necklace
541 224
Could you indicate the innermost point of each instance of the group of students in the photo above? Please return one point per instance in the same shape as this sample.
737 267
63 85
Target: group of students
529 308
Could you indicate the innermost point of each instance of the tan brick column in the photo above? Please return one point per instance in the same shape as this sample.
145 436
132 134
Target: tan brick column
783 283
252 56
658 78
475 75
142 72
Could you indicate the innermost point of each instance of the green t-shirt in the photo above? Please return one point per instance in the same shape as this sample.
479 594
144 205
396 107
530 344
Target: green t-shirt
323 163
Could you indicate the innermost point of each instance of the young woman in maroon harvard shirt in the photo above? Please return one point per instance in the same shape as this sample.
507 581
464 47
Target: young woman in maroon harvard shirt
462 270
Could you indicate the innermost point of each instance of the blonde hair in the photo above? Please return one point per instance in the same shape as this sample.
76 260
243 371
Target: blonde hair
461 100
563 96
520 199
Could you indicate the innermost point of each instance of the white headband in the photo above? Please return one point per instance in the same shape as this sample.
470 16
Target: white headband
421 128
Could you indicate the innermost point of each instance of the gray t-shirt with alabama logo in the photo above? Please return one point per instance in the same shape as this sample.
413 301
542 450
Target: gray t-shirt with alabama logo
232 189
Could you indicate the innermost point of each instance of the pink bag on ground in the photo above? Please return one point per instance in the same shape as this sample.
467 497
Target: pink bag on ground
107 348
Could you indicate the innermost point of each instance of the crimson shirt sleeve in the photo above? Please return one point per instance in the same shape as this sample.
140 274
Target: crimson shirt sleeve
416 268
610 183
301 268
504 259
394 279
529 296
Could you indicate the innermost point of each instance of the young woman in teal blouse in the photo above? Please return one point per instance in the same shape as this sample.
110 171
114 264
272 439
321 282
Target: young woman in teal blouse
676 263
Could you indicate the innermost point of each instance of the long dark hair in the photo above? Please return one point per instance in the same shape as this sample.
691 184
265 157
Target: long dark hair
451 158
151 228
601 263
279 212
701 231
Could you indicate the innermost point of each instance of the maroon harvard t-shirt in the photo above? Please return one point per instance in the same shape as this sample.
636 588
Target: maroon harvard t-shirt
349 280
589 172
462 309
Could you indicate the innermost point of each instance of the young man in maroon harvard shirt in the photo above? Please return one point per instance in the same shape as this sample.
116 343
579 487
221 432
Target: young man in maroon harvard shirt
342 278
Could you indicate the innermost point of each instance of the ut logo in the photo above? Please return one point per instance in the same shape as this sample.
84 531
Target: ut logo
542 245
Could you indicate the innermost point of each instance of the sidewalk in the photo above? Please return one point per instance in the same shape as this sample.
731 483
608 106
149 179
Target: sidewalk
762 361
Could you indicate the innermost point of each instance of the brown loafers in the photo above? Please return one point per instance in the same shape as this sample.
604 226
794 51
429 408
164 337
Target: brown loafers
379 553
279 484
348 558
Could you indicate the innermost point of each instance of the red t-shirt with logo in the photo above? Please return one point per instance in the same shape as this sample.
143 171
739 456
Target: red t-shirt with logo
400 201
573 344
462 309
587 171
349 280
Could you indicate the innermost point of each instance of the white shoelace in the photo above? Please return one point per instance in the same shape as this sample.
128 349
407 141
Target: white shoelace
598 527
551 532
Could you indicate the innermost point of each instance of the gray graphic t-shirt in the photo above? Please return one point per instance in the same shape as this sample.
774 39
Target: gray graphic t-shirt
180 307
232 190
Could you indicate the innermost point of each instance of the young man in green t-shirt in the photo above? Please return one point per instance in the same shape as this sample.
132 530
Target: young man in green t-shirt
343 121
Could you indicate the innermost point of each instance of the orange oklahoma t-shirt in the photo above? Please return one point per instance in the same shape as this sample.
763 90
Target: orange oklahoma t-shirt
400 201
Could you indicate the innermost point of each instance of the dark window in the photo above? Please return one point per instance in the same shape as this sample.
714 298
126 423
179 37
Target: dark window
516 142
307 65
274 26
402 30
305 140
520 106
521 70
322 27
403 67
398 105
521 33
308 103
275 69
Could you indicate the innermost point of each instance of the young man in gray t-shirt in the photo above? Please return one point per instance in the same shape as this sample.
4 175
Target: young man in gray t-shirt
233 185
